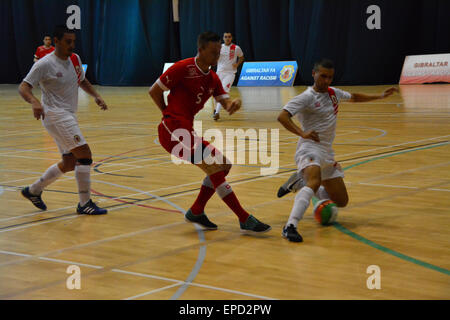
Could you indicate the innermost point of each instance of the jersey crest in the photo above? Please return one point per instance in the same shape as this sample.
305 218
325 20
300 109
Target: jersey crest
232 51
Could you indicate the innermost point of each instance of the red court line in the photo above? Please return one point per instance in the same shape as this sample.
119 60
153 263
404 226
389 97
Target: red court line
127 202
120 154
136 204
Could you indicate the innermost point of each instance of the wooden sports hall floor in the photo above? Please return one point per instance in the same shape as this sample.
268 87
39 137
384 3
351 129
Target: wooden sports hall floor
396 156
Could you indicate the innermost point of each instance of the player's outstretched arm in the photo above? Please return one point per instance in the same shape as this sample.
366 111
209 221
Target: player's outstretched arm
25 90
285 119
89 89
360 97
157 94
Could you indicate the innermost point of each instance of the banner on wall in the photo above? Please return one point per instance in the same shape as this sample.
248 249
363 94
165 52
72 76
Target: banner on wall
426 68
268 74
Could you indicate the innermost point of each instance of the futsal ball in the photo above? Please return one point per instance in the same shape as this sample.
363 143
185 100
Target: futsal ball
325 212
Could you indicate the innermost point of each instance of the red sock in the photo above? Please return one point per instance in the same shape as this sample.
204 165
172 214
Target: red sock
233 203
223 189
199 205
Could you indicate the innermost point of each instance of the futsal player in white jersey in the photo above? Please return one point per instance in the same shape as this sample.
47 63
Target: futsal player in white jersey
318 173
59 74
231 56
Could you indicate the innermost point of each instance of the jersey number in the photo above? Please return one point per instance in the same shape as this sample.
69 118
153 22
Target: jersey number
199 98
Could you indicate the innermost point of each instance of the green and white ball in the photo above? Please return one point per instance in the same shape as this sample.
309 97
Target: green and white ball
325 212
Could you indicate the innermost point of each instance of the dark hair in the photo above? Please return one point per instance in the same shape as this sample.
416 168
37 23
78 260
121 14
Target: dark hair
228 32
325 63
206 37
59 31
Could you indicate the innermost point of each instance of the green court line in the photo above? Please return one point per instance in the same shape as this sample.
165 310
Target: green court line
378 246
395 154
390 251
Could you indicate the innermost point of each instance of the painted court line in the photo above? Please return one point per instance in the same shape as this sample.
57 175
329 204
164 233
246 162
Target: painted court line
399 173
179 292
202 249
436 189
153 291
143 275
402 256
371 243
386 185
394 145
341 228
11 218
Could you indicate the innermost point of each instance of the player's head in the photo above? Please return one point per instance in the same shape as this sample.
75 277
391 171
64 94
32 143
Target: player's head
227 38
209 47
64 40
323 73
47 41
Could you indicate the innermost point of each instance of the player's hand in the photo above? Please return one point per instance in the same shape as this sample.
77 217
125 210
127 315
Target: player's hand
99 101
311 135
235 65
38 110
389 92
234 106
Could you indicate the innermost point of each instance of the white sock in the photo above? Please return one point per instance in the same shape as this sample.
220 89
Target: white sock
83 176
301 203
322 193
218 107
48 177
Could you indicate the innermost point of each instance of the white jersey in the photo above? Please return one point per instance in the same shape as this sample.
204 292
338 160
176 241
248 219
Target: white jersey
58 81
316 111
229 56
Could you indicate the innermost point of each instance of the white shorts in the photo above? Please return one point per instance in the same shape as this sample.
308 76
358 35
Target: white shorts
227 79
63 127
314 156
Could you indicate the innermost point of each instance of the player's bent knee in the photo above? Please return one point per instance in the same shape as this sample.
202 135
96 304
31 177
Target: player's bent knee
82 152
226 167
341 203
314 184
68 163
69 167
211 168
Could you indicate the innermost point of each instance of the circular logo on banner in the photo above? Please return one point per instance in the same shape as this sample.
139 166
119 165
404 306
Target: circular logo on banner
286 73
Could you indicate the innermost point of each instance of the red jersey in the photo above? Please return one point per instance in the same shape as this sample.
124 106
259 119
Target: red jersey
42 51
189 89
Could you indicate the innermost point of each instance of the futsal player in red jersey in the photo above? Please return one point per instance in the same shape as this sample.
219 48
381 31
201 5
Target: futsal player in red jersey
45 49
191 83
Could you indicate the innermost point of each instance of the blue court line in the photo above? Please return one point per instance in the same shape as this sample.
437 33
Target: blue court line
378 246
201 235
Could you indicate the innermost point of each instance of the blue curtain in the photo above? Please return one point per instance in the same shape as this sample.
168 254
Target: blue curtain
127 42
123 42
197 16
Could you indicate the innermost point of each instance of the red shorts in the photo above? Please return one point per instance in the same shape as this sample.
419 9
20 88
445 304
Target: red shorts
181 141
